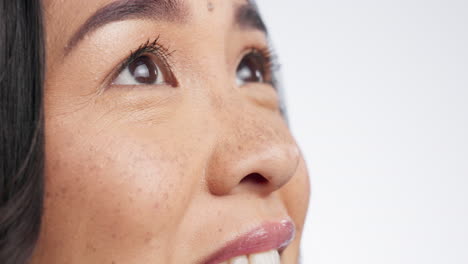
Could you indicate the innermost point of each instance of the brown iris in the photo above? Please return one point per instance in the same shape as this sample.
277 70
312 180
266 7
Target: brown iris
251 69
144 70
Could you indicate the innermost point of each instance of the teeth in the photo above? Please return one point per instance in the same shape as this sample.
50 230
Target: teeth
269 257
239 260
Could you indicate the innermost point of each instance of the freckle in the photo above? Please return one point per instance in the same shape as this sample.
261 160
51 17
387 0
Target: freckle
156 205
166 196
210 6
220 230
148 237
139 190
91 247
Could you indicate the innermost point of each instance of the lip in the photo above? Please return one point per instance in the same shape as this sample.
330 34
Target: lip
268 236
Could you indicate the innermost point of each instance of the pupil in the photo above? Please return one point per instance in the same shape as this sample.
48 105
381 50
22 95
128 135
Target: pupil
249 71
144 70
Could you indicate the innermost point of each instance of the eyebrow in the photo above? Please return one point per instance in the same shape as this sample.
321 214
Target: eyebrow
246 16
170 10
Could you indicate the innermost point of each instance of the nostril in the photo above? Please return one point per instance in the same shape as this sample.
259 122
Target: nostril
254 178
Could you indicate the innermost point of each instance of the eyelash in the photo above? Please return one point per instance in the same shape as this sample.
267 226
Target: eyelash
268 55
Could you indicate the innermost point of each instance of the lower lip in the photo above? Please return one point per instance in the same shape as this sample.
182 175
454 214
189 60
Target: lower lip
270 235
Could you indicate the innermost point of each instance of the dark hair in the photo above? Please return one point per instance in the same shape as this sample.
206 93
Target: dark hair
21 128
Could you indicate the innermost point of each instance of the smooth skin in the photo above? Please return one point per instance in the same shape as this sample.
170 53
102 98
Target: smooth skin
160 173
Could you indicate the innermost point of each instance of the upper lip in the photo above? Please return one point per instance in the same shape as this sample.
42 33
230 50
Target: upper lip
268 236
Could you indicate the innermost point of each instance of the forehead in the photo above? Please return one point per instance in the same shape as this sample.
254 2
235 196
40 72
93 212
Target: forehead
65 18
71 12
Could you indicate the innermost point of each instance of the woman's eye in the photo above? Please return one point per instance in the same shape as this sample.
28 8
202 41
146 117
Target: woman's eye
141 71
252 69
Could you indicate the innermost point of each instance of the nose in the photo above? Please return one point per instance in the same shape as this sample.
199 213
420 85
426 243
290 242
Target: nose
252 154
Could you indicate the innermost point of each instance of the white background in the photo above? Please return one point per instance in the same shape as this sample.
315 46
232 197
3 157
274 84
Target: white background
377 92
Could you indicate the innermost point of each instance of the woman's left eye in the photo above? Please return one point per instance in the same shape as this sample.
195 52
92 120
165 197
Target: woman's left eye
253 68
141 71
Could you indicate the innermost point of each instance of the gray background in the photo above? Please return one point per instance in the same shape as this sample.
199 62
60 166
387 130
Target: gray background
377 94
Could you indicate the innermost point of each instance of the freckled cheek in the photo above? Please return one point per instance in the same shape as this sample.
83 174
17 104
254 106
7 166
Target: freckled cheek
123 195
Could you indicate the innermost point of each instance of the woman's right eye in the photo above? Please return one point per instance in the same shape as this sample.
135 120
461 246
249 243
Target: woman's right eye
141 71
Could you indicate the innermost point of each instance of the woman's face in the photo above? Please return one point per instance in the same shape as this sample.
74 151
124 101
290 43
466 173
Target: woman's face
164 138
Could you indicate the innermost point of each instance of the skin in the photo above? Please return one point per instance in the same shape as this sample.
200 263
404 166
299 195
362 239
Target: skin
153 174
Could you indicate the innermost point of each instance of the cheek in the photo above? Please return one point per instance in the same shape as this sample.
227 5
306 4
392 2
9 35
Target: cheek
111 194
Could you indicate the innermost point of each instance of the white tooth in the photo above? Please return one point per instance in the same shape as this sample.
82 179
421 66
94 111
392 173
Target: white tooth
270 257
239 260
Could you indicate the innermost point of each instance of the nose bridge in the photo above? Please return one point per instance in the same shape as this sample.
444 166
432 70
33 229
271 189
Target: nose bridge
250 142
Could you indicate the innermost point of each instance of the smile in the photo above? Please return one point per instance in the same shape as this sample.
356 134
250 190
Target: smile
262 245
